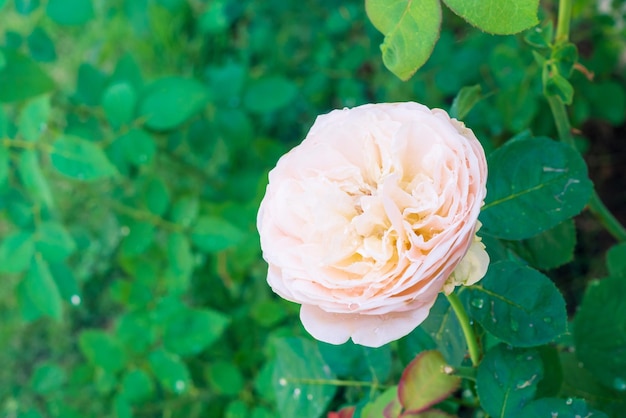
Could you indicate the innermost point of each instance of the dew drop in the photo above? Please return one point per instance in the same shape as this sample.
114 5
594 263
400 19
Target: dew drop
555 414
75 300
353 306
531 325
282 381
477 303
124 231
619 384
376 330
309 397
297 392
514 325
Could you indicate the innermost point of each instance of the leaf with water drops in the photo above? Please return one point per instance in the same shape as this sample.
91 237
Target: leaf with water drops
444 328
424 382
560 408
300 379
537 182
600 331
170 371
518 305
507 380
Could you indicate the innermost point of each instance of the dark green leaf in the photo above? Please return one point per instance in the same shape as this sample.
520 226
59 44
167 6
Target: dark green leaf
168 102
600 331
41 46
66 282
33 179
157 196
135 331
225 378
507 380
47 378
170 371
34 118
212 234
424 382
185 210
119 101
356 362
500 17
555 84
102 350
70 12
540 37
90 84
137 386
21 78
538 182
298 380
555 407
566 56
53 242
5 161
411 31
444 328
191 331
16 252
552 380
616 260
140 237
465 100
181 262
25 7
80 159
518 305
551 248
42 290
269 94
138 146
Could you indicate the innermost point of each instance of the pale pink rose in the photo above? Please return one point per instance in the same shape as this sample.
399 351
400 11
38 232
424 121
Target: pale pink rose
364 222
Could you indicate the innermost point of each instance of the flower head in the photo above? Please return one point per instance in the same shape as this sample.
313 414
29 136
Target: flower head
365 221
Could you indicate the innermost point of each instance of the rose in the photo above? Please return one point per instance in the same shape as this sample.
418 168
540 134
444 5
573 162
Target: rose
365 221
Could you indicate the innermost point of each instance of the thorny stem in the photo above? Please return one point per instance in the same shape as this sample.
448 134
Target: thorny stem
596 206
468 330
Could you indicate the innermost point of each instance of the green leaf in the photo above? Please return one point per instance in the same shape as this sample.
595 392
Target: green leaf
140 237
424 382
122 407
156 195
137 386
16 252
170 371
444 328
66 282
119 101
566 56
269 94
135 331
518 305
34 118
42 290
551 248
21 78
387 401
33 179
540 37
213 234
181 262
556 407
40 45
170 101
616 260
225 378
500 17
411 30
70 12
102 350
80 159
356 362
192 330
465 100
554 84
25 7
552 380
507 380
600 331
53 241
298 367
5 161
537 182
138 146
47 378
185 210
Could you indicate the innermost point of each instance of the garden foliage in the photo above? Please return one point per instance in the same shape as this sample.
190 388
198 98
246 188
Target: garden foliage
135 141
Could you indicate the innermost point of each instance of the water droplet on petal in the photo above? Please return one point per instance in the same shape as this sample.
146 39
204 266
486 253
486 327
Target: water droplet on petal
477 303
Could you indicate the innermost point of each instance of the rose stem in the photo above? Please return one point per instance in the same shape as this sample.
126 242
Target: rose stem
596 206
468 330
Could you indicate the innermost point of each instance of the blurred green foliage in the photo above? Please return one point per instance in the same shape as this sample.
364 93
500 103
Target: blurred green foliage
135 138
